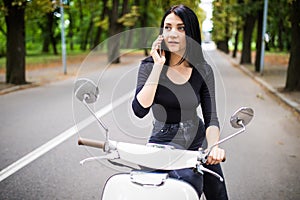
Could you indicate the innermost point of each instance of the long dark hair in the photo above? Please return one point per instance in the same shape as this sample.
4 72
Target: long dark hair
193 53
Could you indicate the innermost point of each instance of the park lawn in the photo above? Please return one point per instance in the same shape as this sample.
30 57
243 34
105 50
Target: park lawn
39 60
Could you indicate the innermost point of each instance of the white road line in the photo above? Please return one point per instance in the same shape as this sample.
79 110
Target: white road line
14 167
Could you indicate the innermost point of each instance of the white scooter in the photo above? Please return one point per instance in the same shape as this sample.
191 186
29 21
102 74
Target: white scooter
147 185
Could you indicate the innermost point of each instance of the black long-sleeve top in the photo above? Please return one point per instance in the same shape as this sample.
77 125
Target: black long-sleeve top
174 103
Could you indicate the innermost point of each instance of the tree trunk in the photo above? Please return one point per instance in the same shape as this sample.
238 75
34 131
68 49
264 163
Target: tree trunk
293 73
144 23
15 43
223 46
247 38
280 34
227 25
259 39
236 37
114 29
236 43
48 34
45 33
113 44
81 25
71 31
99 29
84 42
53 42
46 40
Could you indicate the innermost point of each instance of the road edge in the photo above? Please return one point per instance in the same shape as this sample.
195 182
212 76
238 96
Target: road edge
290 103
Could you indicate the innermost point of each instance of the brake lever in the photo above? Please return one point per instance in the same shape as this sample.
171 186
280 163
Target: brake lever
202 169
111 156
202 158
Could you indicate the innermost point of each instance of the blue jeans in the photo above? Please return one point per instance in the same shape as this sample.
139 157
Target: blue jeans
190 135
184 135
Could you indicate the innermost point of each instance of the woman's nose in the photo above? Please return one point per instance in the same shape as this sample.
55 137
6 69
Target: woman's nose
173 33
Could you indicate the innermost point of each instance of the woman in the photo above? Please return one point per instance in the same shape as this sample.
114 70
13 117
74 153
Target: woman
173 82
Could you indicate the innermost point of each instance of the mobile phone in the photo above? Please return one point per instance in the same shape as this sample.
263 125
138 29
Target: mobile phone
159 50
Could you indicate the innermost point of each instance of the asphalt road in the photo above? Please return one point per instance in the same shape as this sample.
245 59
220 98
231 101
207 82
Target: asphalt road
263 163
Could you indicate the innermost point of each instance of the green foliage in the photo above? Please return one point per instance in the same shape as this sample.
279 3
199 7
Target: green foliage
37 8
154 13
228 17
130 19
194 5
279 25
2 32
82 18
219 20
104 24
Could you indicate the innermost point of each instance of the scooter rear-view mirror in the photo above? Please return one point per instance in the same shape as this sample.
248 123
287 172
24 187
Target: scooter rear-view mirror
86 90
241 117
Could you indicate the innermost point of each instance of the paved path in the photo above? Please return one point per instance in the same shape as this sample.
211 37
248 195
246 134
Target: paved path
273 79
263 163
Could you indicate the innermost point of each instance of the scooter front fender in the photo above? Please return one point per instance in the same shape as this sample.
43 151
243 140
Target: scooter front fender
120 187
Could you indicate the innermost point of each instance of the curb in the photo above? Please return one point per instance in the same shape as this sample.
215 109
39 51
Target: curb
17 87
292 104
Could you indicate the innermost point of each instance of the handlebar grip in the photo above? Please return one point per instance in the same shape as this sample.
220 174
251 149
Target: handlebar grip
91 143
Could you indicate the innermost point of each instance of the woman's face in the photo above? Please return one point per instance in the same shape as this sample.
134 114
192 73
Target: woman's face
174 34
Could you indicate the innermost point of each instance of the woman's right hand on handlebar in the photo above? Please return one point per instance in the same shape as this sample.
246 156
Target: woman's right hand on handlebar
156 46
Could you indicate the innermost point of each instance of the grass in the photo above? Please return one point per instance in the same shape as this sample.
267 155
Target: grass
36 59
42 59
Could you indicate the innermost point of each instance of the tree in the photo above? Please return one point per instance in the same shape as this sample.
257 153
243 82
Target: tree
258 58
115 28
278 26
88 10
293 74
119 18
235 24
15 41
47 26
222 21
71 29
144 23
101 23
248 28
15 36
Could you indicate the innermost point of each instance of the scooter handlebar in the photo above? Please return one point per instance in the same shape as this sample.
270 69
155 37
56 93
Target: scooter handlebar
91 143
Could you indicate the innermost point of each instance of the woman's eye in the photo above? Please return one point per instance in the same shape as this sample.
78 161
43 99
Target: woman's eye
167 27
181 28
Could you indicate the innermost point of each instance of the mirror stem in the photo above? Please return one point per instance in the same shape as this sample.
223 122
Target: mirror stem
99 121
